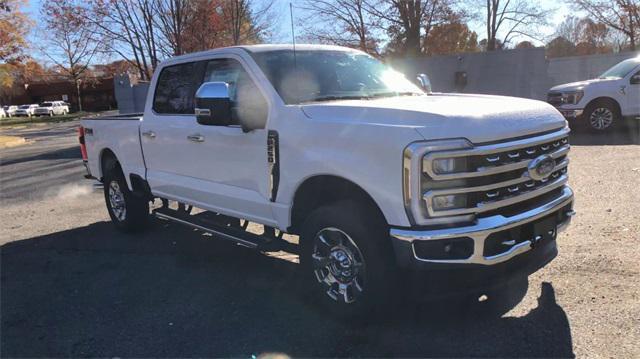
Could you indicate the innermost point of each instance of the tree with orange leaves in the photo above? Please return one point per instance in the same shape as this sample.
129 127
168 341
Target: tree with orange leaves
14 26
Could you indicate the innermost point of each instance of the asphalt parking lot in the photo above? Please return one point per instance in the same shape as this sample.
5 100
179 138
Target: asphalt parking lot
73 286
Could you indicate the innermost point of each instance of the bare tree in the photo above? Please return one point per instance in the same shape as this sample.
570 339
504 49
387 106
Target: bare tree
512 18
341 22
71 45
172 17
128 28
409 22
621 15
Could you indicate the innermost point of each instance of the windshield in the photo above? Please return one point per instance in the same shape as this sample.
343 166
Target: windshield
46 104
330 75
24 107
621 70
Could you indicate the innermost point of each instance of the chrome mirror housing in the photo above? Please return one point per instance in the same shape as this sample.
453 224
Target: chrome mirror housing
212 104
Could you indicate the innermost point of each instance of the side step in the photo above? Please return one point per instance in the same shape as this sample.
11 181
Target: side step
209 223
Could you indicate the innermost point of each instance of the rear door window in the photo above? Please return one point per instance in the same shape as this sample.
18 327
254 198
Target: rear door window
175 90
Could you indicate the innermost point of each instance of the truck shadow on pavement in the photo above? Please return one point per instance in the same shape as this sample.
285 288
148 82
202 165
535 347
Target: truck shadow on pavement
171 292
624 135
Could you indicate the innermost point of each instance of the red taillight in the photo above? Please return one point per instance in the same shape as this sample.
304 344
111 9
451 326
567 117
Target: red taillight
83 147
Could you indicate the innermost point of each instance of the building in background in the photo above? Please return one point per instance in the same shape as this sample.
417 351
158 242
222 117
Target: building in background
97 93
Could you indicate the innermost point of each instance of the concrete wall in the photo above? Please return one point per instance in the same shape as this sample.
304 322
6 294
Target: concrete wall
130 97
522 72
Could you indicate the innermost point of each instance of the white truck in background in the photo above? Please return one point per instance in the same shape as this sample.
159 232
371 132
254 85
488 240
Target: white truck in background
603 103
375 175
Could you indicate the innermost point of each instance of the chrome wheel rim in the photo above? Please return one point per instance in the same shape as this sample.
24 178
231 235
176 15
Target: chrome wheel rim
116 200
338 265
601 118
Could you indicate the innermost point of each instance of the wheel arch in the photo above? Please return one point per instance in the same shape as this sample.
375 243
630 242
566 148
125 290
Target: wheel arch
107 153
320 190
605 99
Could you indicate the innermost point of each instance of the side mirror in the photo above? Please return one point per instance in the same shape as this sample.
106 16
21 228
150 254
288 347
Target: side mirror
425 83
635 79
213 105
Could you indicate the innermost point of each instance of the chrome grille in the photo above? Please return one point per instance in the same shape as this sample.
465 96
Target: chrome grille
517 155
497 174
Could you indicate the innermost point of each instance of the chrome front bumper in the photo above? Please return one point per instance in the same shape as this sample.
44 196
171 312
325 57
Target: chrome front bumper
479 232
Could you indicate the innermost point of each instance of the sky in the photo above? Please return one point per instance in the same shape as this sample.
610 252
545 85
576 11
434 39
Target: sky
283 31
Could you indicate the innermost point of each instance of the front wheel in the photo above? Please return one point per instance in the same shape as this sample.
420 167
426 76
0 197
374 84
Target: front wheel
128 212
601 116
346 260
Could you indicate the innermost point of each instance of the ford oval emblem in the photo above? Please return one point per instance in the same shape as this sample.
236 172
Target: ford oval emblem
541 167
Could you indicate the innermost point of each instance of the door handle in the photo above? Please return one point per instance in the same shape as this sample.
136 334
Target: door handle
196 138
149 134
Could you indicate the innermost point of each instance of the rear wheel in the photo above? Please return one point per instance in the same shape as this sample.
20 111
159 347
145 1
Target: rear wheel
127 211
346 260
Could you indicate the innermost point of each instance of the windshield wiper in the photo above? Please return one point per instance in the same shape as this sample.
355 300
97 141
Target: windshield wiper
336 97
393 93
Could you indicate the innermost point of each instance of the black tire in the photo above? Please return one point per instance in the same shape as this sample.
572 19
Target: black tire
601 115
136 209
50 113
376 277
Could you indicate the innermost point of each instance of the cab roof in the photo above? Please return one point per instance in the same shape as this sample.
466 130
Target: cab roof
255 49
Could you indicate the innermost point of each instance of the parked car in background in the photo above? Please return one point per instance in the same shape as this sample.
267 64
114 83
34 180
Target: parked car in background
10 111
372 172
65 106
26 110
51 108
601 103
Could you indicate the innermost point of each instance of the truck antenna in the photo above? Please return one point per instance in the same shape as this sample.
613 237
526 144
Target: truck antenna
293 37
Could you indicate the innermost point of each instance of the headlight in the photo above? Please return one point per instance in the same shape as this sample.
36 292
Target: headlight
420 164
449 165
572 98
450 201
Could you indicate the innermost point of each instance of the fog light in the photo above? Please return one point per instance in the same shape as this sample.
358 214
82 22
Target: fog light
449 165
450 201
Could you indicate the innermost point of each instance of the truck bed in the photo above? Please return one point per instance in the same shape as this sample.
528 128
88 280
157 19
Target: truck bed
119 134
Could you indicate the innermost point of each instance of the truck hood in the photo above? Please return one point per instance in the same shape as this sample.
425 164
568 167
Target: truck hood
574 86
478 118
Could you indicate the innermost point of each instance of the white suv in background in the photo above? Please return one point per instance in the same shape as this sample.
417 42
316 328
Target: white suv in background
10 111
52 108
26 110
601 103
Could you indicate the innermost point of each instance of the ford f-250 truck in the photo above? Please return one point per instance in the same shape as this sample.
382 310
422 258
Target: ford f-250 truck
376 176
601 103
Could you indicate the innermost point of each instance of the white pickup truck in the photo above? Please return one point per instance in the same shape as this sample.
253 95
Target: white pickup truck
376 176
602 103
